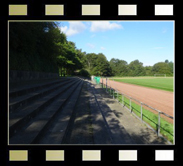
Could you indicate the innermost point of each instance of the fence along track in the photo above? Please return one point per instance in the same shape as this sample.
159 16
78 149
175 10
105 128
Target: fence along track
159 127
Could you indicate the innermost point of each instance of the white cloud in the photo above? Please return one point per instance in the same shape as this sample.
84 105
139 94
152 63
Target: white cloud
102 48
104 26
90 45
75 27
64 29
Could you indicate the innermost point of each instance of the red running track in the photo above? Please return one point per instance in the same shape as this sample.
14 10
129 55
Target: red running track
158 99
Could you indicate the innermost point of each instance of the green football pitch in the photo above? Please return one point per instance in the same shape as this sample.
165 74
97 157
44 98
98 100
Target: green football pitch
163 83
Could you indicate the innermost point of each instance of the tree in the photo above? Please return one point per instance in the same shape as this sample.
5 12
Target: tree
166 61
28 46
97 64
90 61
84 73
102 69
136 68
148 70
119 67
170 64
161 68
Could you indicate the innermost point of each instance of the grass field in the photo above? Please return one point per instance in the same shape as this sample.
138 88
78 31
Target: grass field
163 83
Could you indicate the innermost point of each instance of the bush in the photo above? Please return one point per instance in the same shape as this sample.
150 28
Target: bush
84 73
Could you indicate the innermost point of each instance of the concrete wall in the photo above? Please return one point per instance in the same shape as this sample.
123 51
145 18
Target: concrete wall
16 75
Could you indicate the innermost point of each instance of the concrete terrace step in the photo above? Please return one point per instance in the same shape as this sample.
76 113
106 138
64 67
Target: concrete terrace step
22 100
37 126
79 129
31 87
18 118
56 131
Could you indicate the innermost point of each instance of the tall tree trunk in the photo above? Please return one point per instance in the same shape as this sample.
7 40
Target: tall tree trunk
61 72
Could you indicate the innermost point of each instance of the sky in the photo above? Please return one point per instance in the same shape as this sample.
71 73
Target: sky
148 41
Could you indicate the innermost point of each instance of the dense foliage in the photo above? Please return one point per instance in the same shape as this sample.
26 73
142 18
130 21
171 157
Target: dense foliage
41 46
28 46
136 68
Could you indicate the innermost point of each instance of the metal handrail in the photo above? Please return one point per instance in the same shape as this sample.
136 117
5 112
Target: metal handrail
141 103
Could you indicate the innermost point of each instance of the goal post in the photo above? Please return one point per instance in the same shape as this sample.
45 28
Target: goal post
159 75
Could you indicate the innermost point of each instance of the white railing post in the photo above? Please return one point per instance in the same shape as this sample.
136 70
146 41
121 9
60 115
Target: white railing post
123 99
141 111
102 82
159 123
130 105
